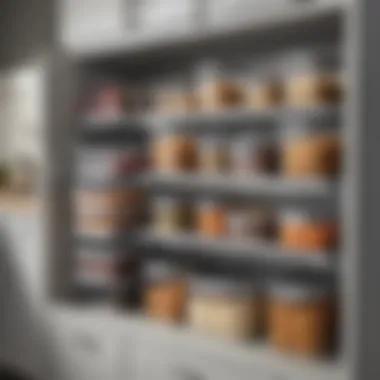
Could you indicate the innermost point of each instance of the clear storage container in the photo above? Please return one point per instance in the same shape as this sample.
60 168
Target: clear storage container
214 154
211 219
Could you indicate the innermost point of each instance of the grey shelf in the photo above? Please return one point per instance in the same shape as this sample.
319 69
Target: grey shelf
250 250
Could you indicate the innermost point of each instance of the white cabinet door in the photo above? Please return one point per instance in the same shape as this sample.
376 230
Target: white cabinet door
83 20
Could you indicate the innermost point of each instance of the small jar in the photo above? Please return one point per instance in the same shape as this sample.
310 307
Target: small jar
211 219
171 216
225 309
251 222
312 77
311 149
165 292
308 231
174 153
300 319
215 90
254 153
213 155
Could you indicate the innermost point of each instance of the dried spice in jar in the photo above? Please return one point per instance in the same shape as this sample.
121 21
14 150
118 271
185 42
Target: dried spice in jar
213 154
211 219
311 230
301 319
165 292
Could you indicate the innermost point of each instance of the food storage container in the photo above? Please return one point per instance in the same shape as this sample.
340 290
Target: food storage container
211 219
301 318
216 89
213 154
165 291
174 153
311 230
223 308
311 148
171 215
254 153
313 77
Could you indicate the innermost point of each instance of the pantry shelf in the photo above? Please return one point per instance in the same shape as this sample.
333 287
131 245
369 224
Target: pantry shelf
239 185
251 250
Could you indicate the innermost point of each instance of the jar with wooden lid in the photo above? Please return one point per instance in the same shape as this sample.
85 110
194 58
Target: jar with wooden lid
171 215
216 89
254 153
211 218
311 148
224 308
301 319
165 291
312 230
213 154
313 77
174 153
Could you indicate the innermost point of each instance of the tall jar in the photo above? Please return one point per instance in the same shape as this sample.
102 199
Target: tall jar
312 230
223 308
301 319
313 77
213 154
165 292
211 219
311 148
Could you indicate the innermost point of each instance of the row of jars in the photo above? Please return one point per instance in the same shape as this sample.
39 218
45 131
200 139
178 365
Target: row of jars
304 151
300 78
312 229
295 317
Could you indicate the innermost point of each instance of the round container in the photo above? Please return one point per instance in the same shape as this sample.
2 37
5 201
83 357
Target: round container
310 149
312 77
300 319
251 222
174 153
165 292
213 154
171 215
309 231
211 219
225 309
254 153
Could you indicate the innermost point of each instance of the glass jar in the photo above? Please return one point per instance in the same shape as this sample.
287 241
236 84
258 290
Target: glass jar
213 154
165 292
311 148
211 219
171 215
254 153
312 77
225 309
311 231
216 91
174 153
301 319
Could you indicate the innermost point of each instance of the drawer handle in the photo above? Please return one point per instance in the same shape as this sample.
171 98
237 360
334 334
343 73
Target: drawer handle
182 373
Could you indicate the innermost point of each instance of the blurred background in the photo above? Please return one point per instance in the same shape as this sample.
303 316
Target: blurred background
178 190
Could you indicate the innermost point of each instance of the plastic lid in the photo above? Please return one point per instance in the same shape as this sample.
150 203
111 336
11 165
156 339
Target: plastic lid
311 213
222 287
161 271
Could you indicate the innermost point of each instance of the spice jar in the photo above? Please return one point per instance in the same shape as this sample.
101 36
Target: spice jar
211 219
311 148
215 90
213 154
309 231
227 309
173 153
171 215
165 292
301 319
254 153
246 222
312 77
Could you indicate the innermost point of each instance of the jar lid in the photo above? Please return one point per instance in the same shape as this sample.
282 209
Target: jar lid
299 292
208 70
311 213
215 286
160 271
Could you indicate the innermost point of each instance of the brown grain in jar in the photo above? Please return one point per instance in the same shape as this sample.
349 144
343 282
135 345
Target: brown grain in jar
176 102
165 292
173 153
211 219
308 231
301 319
